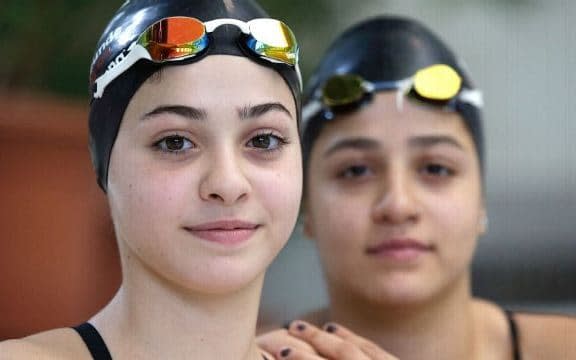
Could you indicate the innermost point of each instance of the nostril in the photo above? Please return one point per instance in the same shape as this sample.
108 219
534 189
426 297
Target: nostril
215 197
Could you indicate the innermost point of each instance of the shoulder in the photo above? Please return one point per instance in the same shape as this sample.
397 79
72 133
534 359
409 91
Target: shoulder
546 336
53 344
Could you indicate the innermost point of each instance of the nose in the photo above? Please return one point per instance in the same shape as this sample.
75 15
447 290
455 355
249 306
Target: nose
397 202
225 180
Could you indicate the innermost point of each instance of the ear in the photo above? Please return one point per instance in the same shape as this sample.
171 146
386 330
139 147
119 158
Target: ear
307 228
483 222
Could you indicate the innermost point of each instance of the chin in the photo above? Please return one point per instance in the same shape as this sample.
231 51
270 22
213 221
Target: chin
219 279
399 290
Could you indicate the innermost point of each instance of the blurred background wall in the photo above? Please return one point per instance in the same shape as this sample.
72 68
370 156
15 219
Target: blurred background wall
522 53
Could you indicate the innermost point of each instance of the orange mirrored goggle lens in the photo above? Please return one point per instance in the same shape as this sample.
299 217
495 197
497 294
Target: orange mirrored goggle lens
173 38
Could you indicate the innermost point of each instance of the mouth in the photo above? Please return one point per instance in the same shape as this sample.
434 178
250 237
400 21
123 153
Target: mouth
401 249
225 232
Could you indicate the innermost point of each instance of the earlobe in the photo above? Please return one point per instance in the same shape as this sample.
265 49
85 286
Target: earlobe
307 228
483 223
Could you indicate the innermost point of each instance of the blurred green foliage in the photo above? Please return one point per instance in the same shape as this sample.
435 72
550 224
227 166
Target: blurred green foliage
48 45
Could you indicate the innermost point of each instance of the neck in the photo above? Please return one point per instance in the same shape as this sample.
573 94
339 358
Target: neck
152 318
443 326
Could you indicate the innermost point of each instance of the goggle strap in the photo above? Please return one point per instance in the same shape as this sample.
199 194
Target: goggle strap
214 24
311 109
135 53
400 99
299 74
473 97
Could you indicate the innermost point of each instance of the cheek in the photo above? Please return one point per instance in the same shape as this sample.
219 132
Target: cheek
338 222
458 220
279 192
157 197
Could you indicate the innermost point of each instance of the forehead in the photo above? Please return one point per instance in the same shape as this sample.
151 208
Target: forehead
393 121
217 81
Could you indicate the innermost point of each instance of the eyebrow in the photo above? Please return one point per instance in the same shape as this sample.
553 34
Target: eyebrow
254 111
188 112
357 143
361 143
432 140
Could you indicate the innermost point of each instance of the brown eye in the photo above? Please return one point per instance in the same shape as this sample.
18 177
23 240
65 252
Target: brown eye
266 142
437 170
174 144
355 171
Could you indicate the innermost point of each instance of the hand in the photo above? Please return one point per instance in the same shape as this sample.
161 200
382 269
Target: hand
304 341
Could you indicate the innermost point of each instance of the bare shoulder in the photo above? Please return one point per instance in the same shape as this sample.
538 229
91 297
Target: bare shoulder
53 344
547 336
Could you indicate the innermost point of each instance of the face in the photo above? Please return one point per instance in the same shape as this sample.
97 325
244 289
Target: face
205 174
394 201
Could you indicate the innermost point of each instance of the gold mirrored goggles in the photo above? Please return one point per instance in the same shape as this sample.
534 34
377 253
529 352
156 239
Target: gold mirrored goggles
178 38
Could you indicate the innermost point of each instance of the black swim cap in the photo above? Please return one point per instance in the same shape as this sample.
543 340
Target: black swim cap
387 48
128 23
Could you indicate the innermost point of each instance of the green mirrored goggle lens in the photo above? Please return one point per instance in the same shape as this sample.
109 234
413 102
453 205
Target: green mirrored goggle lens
342 90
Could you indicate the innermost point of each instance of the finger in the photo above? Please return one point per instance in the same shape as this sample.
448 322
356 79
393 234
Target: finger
289 353
275 341
325 343
368 347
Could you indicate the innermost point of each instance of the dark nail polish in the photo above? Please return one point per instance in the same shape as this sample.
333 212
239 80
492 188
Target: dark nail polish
301 327
285 352
330 328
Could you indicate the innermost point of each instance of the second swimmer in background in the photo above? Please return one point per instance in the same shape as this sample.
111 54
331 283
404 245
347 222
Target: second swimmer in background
394 201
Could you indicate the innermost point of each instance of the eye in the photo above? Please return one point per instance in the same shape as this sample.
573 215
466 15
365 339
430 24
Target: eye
437 170
268 142
174 144
355 171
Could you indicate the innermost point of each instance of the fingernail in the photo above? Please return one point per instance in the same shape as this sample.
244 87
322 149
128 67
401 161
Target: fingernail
301 327
331 328
285 352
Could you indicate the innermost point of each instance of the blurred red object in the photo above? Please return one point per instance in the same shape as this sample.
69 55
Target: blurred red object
58 257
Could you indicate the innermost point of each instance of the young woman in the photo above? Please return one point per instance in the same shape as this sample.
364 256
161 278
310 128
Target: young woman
393 153
193 129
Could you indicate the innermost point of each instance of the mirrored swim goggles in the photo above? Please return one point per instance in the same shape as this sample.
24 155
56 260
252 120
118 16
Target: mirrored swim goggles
179 38
437 84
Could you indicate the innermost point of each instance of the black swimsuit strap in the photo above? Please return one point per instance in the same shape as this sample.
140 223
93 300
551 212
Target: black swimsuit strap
514 335
96 344
93 341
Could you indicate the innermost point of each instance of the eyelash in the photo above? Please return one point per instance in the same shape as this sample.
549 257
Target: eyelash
162 146
348 173
282 141
430 169
446 170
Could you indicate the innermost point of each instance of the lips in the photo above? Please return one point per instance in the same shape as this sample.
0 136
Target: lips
225 232
399 249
